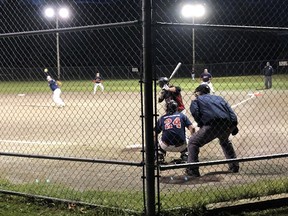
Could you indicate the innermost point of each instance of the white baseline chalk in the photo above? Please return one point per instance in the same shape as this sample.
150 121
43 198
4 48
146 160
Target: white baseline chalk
235 105
33 142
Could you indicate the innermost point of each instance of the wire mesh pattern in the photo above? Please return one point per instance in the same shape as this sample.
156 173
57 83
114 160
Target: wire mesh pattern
92 149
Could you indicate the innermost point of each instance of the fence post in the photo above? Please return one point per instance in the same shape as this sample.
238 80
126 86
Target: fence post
148 106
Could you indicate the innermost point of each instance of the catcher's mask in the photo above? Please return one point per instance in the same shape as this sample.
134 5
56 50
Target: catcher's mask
163 81
202 89
171 107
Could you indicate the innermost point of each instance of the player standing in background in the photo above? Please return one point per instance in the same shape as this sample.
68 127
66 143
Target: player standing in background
193 73
172 125
98 82
56 92
170 92
206 78
268 71
216 119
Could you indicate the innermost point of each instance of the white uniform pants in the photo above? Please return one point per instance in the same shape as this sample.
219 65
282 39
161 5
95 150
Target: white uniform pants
172 148
210 86
96 86
56 97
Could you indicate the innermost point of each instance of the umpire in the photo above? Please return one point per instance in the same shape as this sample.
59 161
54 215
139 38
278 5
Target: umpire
216 119
268 71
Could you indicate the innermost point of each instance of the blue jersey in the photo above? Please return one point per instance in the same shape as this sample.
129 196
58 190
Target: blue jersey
53 85
206 77
173 128
268 71
98 79
208 108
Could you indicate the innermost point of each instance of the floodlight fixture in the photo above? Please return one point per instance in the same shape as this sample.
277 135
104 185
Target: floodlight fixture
193 11
57 13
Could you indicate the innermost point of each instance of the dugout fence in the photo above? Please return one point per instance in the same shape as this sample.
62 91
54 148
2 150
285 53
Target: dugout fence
99 148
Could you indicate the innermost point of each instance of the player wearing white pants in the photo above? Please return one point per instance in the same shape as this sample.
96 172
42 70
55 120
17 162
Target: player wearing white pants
57 99
210 86
173 148
56 92
206 78
173 127
96 86
98 82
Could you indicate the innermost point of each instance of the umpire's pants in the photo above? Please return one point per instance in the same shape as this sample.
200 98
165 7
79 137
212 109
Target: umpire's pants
268 82
205 135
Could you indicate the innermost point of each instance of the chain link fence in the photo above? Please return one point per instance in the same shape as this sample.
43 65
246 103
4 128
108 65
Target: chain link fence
93 150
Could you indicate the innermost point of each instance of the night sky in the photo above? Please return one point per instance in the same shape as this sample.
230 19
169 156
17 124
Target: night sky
122 46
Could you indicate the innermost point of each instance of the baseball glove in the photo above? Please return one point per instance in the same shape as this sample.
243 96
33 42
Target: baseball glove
59 83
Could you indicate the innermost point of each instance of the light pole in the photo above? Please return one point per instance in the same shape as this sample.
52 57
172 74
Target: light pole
193 11
59 13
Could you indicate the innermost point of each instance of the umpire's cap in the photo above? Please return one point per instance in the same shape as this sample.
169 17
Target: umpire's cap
202 89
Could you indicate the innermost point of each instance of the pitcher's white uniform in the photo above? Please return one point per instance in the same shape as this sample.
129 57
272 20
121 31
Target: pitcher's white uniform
56 92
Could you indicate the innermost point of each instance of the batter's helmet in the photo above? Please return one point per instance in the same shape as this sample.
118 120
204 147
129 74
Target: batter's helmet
202 89
171 107
163 81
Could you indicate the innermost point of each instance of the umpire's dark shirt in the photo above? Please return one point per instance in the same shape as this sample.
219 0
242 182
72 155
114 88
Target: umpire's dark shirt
208 108
268 71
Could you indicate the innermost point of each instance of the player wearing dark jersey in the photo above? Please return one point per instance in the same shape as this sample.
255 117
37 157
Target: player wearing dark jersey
98 82
172 125
170 92
268 71
206 78
56 92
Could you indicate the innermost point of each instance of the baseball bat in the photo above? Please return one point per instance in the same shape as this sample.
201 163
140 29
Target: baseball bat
175 70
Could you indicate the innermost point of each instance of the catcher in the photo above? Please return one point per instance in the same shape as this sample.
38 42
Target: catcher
173 127
98 82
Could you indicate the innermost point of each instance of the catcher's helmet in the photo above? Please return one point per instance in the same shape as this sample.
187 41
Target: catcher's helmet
163 81
202 89
171 107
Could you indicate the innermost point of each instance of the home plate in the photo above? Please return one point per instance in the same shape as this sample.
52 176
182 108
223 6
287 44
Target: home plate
21 95
133 147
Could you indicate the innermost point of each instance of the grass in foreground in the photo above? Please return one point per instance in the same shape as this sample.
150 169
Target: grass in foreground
15 206
172 203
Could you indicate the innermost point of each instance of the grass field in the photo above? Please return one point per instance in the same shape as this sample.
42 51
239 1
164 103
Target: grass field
225 83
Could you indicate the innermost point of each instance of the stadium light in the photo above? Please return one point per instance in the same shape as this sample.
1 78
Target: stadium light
57 13
193 11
